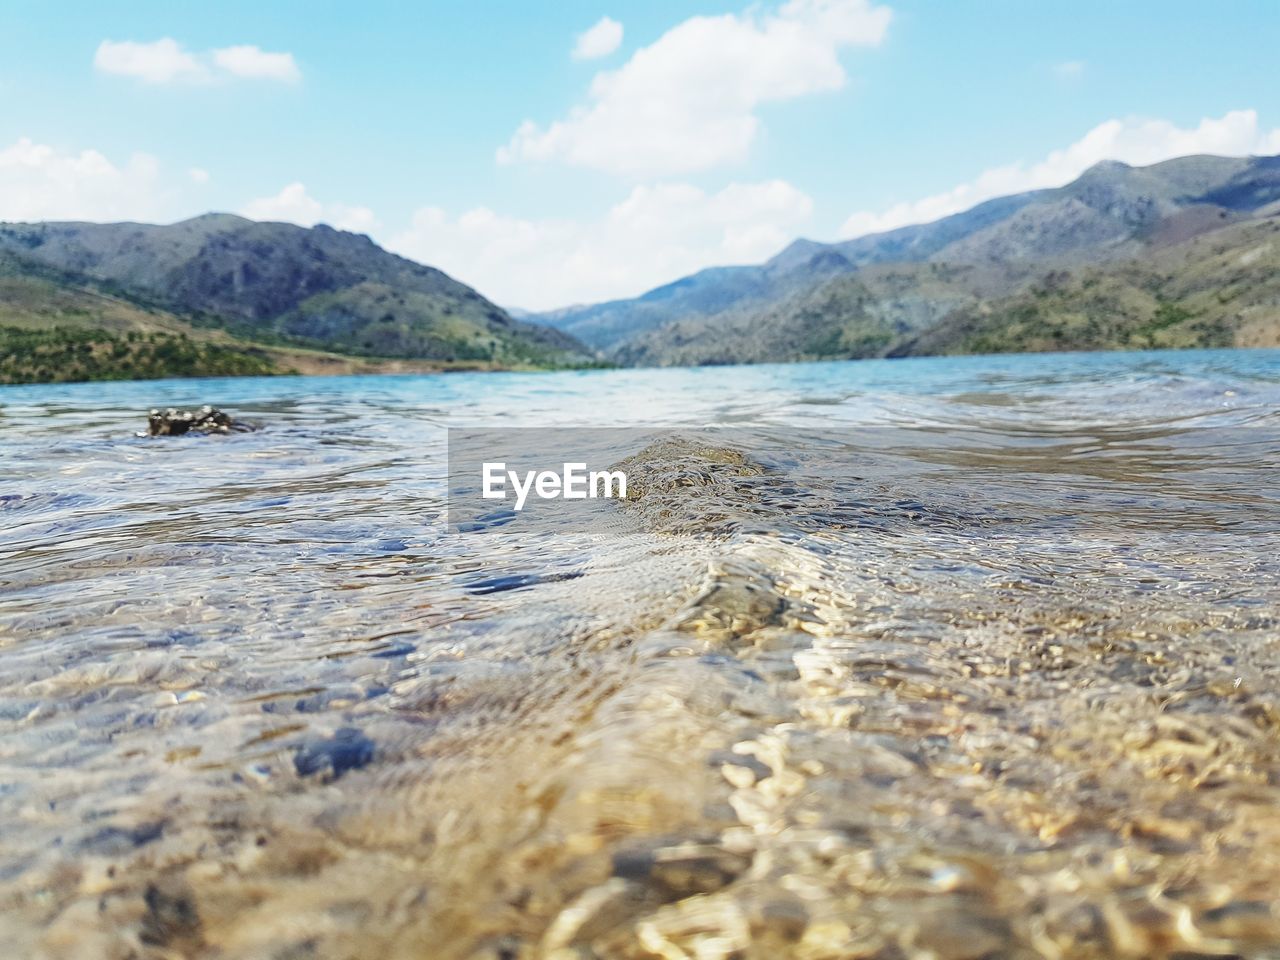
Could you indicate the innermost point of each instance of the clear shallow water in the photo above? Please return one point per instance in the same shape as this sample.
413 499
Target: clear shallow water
1011 690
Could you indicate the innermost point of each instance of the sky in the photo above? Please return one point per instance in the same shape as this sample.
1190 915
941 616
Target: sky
552 154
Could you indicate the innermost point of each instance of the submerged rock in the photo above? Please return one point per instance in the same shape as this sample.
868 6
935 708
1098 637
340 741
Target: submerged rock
347 749
171 919
174 423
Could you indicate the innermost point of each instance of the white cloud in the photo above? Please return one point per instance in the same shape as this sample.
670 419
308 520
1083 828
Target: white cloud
250 61
166 61
600 41
655 234
163 61
41 182
294 205
1068 69
688 101
198 175
1136 141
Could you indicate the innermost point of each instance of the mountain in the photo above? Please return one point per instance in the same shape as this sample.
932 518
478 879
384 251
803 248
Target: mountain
606 326
53 327
885 294
1219 289
267 284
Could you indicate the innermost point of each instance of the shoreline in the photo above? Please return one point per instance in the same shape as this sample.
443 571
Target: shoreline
318 364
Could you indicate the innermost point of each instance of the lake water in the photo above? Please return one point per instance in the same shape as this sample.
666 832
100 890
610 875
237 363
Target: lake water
1001 679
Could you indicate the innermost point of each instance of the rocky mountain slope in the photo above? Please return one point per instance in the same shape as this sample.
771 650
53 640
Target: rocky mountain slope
1220 289
1215 290
957 284
259 285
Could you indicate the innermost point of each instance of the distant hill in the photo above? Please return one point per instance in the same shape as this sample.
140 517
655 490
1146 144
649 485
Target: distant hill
944 286
273 289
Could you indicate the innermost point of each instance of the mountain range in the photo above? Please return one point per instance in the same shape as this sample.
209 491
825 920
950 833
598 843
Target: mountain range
222 294
1180 253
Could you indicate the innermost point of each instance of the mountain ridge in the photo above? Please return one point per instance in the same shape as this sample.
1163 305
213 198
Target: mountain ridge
1179 253
1113 213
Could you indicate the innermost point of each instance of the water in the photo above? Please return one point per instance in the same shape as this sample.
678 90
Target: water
1012 688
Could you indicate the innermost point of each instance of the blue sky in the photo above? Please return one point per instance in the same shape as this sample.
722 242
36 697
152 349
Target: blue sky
682 135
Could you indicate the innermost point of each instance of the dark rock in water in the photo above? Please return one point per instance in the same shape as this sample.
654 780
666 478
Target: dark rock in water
116 841
171 918
682 870
174 423
348 749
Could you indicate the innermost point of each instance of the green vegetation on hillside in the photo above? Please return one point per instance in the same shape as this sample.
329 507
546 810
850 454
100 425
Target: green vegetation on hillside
64 354
279 284
223 296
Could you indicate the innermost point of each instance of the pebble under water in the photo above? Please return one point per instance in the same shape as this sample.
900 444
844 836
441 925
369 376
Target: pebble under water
1000 680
